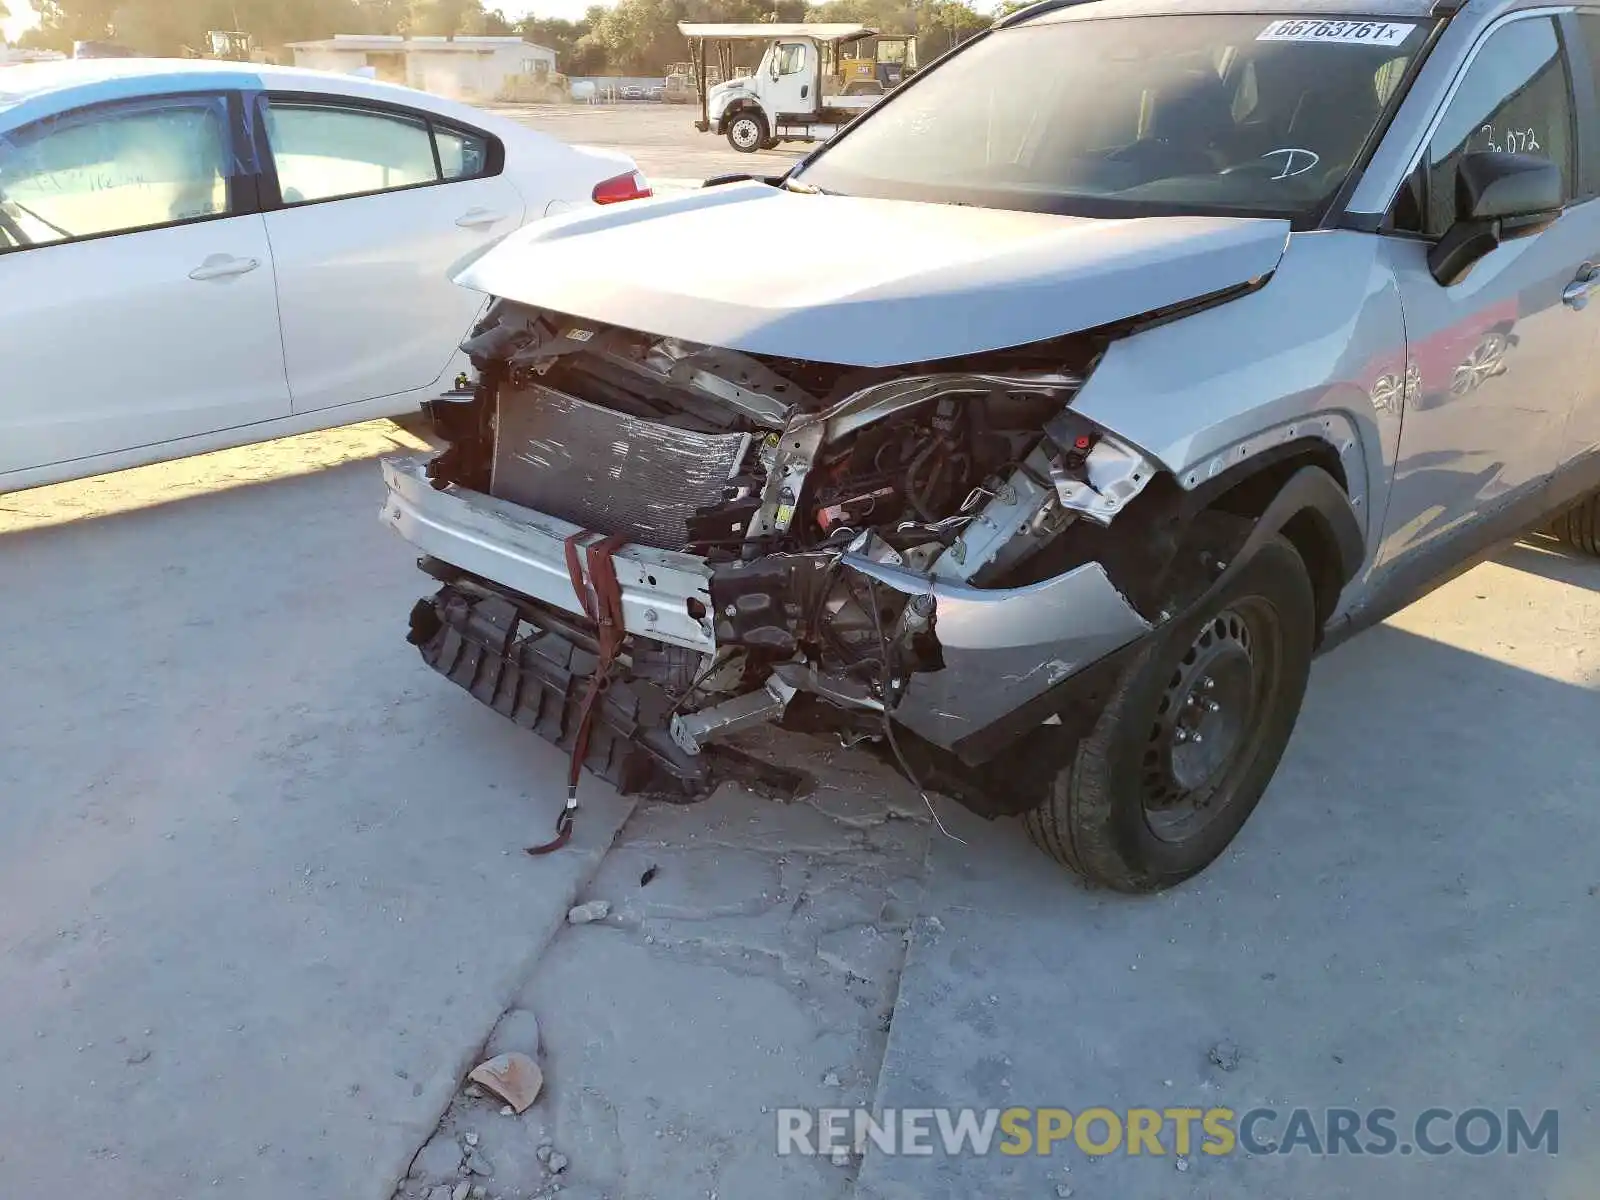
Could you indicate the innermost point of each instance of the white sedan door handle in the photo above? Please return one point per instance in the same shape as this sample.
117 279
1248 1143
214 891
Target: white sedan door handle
479 218
222 266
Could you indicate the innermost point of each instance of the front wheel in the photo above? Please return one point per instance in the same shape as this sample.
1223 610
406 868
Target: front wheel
1190 736
746 132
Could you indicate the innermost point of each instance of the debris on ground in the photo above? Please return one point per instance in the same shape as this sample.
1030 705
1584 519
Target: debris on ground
595 910
557 1163
138 1056
513 1077
1063 1191
1225 1054
442 1192
463 1190
543 1152
471 1139
478 1163
650 873
831 1079
1182 1164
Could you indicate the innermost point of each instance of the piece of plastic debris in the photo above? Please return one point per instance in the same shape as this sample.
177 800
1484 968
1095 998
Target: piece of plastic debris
1063 1191
514 1078
471 1139
831 1079
508 1111
650 873
583 914
1182 1164
543 1152
558 1163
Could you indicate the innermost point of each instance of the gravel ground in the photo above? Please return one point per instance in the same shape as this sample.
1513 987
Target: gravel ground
661 137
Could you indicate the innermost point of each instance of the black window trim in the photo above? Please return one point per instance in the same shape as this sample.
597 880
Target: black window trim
243 195
271 189
1577 93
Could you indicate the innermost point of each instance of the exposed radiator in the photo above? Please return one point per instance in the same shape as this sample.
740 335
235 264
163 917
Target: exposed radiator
606 471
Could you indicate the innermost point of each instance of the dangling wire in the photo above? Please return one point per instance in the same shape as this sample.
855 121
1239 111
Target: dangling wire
888 725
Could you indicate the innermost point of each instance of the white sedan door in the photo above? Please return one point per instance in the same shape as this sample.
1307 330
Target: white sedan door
134 307
379 204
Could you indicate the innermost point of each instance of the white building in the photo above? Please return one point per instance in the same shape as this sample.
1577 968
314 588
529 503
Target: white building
466 68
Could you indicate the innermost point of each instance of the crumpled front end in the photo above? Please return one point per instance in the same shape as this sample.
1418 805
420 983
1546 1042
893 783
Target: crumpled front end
920 558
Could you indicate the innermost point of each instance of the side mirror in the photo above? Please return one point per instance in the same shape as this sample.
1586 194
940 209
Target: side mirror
1498 197
772 66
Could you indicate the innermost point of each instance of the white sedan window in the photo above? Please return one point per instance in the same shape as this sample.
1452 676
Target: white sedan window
121 171
323 153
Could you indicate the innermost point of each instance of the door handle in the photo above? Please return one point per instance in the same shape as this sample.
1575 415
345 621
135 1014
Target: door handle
1576 294
222 266
479 218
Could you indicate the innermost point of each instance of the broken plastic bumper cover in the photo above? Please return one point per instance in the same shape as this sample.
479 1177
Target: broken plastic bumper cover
1004 651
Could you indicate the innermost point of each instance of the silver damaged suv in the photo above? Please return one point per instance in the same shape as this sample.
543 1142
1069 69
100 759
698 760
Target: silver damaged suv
1037 431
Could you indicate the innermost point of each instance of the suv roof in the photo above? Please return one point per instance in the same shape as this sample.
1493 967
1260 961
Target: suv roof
1067 10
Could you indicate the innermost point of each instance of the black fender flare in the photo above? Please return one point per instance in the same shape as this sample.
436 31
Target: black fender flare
1317 494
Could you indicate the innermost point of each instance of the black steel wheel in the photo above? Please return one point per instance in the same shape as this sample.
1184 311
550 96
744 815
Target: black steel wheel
1190 736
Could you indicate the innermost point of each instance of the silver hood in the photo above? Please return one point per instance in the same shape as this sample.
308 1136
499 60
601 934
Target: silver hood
860 282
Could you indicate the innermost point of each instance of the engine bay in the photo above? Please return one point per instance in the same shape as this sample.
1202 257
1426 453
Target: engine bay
844 517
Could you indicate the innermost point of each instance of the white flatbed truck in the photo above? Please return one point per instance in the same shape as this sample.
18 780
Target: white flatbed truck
794 94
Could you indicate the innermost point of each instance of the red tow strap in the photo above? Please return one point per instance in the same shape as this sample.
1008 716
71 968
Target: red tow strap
603 606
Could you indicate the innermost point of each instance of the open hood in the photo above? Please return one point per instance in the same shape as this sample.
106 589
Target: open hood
860 282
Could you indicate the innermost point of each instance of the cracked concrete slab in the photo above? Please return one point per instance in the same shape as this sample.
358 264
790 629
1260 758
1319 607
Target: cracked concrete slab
261 888
755 969
1407 921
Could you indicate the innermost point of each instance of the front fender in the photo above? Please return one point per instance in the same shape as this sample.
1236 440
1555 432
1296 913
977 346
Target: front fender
1319 351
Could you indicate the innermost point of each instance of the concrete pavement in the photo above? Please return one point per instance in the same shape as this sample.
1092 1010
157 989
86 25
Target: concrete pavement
1406 922
261 901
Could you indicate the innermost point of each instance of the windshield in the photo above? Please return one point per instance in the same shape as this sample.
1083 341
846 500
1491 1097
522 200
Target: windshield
1134 115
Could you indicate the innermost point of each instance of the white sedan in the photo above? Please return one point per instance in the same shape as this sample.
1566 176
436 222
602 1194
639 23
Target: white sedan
201 254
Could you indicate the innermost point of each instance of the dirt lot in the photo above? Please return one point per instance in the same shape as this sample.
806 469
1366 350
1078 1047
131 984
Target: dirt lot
661 137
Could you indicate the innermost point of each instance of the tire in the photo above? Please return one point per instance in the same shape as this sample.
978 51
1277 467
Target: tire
1139 808
1579 527
747 130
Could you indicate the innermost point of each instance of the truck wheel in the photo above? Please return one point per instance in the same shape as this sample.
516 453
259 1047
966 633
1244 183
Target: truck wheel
746 132
1580 527
1190 736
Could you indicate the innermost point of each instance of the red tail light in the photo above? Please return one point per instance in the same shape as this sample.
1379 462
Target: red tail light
618 188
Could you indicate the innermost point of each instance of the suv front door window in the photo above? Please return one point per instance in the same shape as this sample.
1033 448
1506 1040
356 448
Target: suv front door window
1497 360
